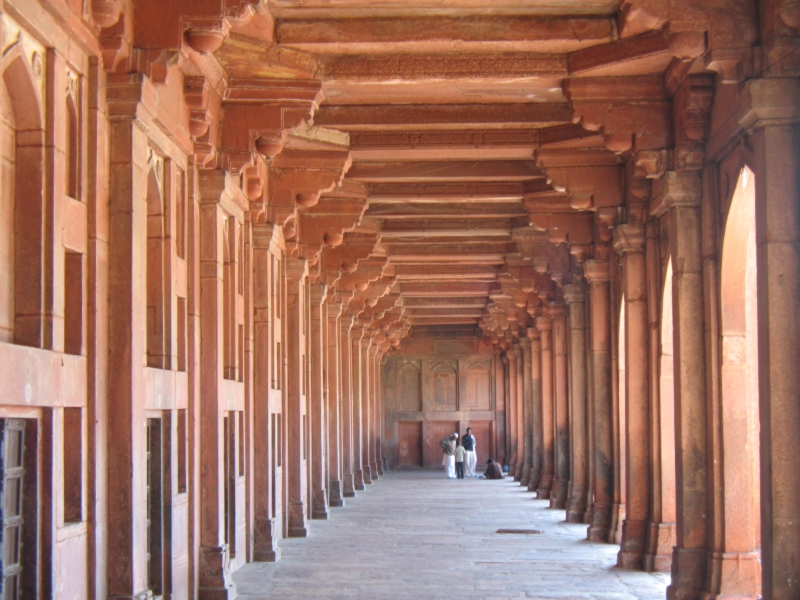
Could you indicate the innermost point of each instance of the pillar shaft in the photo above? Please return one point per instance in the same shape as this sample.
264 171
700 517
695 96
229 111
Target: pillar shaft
527 439
296 399
513 415
346 375
316 400
366 402
561 486
575 295
629 241
536 409
355 368
334 406
546 426
603 491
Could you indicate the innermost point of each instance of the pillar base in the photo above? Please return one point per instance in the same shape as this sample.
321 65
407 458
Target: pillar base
319 505
688 574
615 528
366 473
298 526
661 539
536 476
375 471
526 475
518 472
349 490
632 547
266 535
380 467
738 575
559 495
358 480
600 522
335 494
576 510
214 574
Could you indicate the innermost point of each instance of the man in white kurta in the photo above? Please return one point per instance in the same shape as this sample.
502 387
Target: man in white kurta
448 445
470 458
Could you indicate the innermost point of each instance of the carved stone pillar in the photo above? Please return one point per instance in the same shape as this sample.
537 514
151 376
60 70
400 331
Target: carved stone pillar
512 405
629 241
366 402
520 414
527 439
296 399
377 418
603 493
316 401
333 357
536 409
267 529
575 296
355 384
346 376
773 118
501 407
561 484
507 415
546 429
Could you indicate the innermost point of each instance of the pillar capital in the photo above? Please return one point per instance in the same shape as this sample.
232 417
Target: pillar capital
318 291
511 353
679 188
296 268
596 271
525 343
773 101
544 323
532 333
629 237
575 292
557 310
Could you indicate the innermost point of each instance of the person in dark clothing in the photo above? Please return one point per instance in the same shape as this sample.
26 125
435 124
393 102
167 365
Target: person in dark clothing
470 458
493 471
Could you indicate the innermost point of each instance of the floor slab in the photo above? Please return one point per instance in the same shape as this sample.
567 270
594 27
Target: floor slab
418 535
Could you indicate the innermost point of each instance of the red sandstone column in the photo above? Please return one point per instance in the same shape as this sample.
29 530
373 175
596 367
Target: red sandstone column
618 408
561 483
629 241
346 376
682 194
373 411
512 404
214 560
536 409
378 418
773 119
527 433
355 384
366 401
296 407
575 295
597 275
266 528
333 358
501 408
520 421
316 401
546 426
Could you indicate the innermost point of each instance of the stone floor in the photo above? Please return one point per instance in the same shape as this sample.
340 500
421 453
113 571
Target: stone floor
418 535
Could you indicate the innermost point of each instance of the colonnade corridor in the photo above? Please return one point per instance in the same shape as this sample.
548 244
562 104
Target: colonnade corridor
416 535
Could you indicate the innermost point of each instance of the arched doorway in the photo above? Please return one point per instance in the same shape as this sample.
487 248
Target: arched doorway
740 571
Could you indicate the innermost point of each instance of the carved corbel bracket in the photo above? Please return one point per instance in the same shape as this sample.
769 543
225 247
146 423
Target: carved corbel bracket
631 113
769 102
630 237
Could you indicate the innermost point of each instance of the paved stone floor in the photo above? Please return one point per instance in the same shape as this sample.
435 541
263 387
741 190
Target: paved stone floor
420 536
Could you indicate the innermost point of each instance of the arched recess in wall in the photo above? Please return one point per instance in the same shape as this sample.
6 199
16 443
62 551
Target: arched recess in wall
157 329
21 195
409 388
72 158
739 383
445 386
479 386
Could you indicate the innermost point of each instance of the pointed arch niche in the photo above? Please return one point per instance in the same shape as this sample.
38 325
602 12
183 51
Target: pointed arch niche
445 386
740 570
22 209
409 388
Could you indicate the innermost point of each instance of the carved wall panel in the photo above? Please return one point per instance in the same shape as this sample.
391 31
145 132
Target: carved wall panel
444 381
409 391
479 386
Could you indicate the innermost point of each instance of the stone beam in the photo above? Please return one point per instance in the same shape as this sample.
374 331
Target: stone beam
445 210
445 34
433 171
449 116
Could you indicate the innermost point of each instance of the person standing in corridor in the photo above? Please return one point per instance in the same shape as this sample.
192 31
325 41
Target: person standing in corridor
470 458
460 461
448 445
